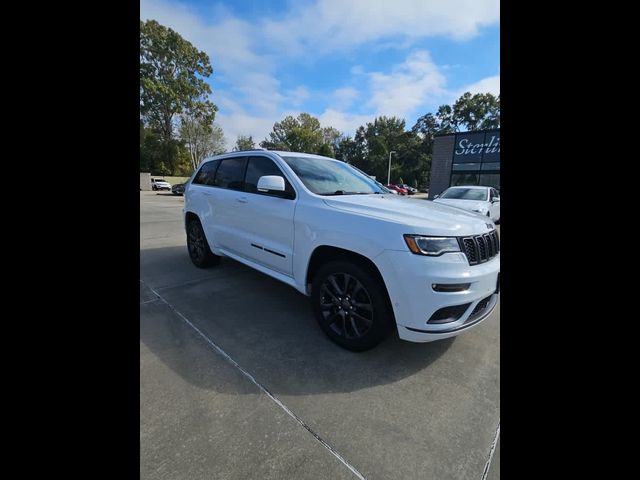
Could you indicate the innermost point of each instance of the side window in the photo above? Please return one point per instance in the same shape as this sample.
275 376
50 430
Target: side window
260 166
494 194
206 174
230 173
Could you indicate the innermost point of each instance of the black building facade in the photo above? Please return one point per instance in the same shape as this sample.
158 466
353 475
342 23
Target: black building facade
466 158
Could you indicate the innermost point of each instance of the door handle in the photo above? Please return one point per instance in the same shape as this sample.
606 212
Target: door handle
241 199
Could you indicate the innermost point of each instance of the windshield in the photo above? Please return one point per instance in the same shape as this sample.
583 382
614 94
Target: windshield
466 193
330 177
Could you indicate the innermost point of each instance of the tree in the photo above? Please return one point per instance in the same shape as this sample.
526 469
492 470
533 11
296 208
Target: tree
300 134
162 157
347 150
172 73
244 142
477 112
200 139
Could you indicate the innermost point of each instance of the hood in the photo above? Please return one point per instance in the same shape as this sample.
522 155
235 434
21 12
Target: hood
423 216
464 204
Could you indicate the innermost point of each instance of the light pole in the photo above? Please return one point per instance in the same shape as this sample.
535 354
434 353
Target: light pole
389 174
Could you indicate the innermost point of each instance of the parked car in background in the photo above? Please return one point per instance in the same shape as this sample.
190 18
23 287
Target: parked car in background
482 200
370 262
397 189
410 190
160 184
178 189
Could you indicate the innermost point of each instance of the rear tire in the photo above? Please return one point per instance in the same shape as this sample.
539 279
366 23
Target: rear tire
199 251
351 305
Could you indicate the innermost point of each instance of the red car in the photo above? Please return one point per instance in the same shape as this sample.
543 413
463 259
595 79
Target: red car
396 188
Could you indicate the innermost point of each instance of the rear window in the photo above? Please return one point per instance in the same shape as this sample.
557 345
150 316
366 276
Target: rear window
206 174
230 173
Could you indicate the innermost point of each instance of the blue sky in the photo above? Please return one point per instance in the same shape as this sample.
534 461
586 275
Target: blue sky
343 61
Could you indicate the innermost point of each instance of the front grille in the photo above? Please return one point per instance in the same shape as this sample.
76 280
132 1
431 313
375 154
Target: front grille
480 248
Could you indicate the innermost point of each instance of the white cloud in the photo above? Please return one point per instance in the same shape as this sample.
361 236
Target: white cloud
329 25
228 42
297 96
239 123
345 96
409 85
345 122
486 85
251 96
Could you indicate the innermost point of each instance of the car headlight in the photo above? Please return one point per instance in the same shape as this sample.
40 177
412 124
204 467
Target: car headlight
432 246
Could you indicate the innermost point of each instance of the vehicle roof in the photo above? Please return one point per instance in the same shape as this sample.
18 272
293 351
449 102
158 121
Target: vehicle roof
282 153
469 186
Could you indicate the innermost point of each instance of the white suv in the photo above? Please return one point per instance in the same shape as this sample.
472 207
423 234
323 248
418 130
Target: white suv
370 261
160 184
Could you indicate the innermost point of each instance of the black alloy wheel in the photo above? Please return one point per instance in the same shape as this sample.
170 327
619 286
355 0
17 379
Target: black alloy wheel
351 305
199 250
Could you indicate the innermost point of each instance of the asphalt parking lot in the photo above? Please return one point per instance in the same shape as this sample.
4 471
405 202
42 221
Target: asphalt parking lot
237 381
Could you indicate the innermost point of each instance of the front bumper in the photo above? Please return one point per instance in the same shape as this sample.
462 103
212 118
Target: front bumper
409 278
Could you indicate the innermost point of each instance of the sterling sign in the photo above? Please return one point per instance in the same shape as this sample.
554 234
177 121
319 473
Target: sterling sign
465 147
477 147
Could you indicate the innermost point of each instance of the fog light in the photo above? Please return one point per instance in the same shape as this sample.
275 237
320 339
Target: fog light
450 287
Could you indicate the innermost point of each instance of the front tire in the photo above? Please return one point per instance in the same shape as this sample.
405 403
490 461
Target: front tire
351 305
199 251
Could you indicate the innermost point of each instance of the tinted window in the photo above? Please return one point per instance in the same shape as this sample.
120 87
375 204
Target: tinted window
206 174
465 193
230 173
464 179
260 166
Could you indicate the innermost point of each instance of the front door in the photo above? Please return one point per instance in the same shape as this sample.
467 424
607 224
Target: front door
266 219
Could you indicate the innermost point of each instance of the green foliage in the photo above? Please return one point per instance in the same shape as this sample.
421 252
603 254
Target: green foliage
244 142
326 150
300 134
172 86
172 73
162 157
477 112
200 139
370 148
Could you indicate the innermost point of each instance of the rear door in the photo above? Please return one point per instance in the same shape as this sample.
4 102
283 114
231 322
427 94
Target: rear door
227 196
201 198
265 219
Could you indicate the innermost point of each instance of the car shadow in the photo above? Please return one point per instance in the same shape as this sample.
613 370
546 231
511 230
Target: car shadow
265 326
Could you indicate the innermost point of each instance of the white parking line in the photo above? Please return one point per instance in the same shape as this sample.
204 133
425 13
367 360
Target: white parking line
493 449
262 388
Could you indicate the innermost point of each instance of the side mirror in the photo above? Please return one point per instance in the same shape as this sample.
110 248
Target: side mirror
271 183
435 196
495 200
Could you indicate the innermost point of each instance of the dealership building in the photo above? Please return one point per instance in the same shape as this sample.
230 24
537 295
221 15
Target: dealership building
466 158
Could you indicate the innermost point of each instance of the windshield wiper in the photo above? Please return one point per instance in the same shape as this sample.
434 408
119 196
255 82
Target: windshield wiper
337 192
342 192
